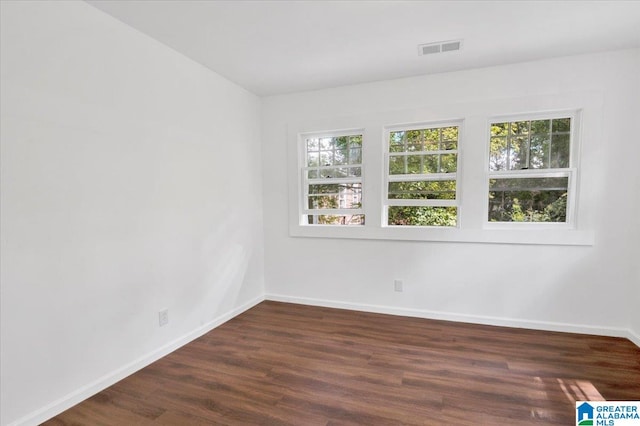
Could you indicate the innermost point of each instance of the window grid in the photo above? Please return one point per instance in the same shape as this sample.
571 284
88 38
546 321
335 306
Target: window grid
530 179
332 180
421 176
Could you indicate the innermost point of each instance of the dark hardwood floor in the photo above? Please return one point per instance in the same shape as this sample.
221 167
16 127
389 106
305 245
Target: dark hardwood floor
290 364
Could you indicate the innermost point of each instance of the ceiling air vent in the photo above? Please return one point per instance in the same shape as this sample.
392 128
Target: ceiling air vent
439 47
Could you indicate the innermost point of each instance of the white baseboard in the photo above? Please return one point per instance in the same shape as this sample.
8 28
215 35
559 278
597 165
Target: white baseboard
449 316
633 337
107 380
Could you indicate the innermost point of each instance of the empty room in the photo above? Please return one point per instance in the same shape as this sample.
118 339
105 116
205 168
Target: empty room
319 212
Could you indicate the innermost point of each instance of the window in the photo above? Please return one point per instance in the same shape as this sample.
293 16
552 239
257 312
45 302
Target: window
530 170
332 179
422 166
506 171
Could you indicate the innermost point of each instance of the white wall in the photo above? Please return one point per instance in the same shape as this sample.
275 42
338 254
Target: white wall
552 287
634 284
130 183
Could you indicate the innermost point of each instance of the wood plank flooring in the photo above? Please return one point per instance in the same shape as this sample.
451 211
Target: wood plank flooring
287 364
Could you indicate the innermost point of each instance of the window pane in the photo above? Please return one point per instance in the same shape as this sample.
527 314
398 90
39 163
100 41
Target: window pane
518 148
498 153
431 164
329 201
335 196
539 144
334 149
355 141
432 135
333 157
561 125
396 138
412 147
324 189
450 134
423 190
414 140
340 156
344 172
532 144
560 150
341 142
312 159
329 173
312 144
414 164
444 138
540 127
326 143
432 139
335 172
448 163
326 158
422 216
499 129
396 164
423 140
340 172
528 199
396 148
449 145
520 127
356 219
355 156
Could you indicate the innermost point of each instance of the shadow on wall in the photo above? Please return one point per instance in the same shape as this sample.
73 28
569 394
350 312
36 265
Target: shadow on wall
226 255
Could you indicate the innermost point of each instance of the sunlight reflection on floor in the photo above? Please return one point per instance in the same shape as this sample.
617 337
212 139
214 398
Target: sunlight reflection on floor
579 390
547 391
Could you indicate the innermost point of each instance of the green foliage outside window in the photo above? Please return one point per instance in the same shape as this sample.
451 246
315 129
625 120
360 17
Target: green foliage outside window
423 154
422 216
528 200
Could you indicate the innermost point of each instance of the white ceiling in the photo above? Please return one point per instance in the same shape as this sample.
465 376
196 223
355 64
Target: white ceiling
273 47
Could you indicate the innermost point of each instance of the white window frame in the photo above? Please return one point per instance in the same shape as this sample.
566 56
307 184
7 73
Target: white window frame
386 202
570 172
473 170
304 211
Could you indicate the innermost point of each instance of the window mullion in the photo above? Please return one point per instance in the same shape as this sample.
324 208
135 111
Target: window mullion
544 194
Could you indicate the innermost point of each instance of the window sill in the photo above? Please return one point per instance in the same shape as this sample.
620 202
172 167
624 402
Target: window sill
565 237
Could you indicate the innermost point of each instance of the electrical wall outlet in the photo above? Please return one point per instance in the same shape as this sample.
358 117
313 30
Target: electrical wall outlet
163 317
397 285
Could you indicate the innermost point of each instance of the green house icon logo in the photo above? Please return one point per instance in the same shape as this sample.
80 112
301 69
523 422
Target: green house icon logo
584 416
